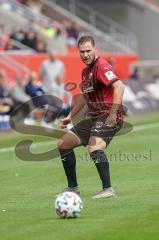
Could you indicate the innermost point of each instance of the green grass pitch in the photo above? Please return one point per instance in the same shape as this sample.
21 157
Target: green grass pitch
28 189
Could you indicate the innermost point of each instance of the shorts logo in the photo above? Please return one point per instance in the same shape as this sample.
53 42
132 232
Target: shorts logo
110 75
99 124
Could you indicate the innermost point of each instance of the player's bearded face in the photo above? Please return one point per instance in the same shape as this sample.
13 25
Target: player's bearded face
87 53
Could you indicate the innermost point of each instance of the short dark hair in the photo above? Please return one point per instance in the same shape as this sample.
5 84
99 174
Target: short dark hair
85 39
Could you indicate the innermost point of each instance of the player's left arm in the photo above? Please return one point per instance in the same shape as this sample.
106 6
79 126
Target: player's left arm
118 91
108 78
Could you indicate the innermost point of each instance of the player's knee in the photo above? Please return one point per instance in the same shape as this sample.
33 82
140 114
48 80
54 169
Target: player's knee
96 144
61 144
64 144
94 147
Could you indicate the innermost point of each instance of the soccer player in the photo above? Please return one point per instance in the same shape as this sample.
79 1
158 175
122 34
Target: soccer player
102 93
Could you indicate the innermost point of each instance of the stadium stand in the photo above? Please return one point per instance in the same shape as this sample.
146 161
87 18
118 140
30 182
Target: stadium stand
117 39
49 34
54 33
134 15
34 5
27 35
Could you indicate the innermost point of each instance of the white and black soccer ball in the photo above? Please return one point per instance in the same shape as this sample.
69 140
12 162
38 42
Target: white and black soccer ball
68 205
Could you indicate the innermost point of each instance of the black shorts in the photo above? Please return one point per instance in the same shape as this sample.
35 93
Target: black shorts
95 127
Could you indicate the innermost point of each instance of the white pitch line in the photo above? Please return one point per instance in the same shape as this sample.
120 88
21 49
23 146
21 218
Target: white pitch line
145 126
40 144
135 129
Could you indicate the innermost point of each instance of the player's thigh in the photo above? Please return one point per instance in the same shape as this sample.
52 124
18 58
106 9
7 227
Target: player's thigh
96 143
83 130
68 141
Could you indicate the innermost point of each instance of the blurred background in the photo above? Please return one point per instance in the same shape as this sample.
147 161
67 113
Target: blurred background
38 51
39 57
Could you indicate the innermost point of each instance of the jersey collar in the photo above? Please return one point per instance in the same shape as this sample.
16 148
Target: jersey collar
92 64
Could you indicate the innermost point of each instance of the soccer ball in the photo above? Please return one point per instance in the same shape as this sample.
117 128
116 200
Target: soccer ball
68 205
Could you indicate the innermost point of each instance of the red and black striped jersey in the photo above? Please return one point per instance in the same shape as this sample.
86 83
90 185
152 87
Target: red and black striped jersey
96 86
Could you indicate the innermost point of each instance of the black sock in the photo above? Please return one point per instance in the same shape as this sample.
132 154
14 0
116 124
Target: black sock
69 164
102 165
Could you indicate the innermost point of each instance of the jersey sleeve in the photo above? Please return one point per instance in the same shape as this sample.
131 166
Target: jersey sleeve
106 75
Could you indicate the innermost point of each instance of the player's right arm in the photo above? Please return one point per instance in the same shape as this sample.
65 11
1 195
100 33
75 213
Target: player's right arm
78 104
